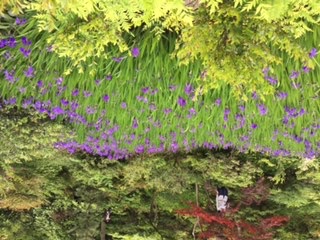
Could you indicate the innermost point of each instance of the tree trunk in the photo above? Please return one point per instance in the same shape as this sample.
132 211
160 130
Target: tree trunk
102 230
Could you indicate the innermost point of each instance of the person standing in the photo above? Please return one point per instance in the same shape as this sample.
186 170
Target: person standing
221 199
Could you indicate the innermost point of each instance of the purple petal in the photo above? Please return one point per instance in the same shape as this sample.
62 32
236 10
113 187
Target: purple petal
313 53
25 41
294 75
123 105
188 89
106 98
218 102
135 52
181 101
21 21
306 69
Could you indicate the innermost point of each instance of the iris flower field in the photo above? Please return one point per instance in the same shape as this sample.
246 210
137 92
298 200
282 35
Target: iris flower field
143 102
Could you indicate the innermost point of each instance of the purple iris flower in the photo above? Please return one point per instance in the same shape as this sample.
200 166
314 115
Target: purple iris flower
123 105
192 111
291 112
109 77
157 124
174 147
152 150
11 101
181 101
302 111
139 149
98 81
285 120
27 102
255 96
118 59
22 90
188 89
29 73
38 105
64 102
9 76
153 92
87 94
242 108
135 123
294 75
298 139
172 87
306 69
49 48
7 55
40 84
241 120
266 71
263 109
61 89
244 138
307 145
75 92
25 52
167 111
106 98
21 21
145 90
282 95
90 110
254 126
310 154
313 53
74 106
3 43
57 110
59 81
173 135
12 43
142 99
25 41
135 52
162 138
153 107
147 130
218 102
226 114
272 80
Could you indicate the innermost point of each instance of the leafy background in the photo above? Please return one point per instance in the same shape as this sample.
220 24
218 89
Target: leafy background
217 66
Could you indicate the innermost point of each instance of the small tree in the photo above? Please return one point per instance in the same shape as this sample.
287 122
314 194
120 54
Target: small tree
229 225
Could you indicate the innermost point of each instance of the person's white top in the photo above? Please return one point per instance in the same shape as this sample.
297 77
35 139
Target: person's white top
221 202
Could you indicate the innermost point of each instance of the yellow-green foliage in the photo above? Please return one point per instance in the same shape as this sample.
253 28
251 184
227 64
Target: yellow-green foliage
82 29
234 40
25 142
14 6
237 39
302 199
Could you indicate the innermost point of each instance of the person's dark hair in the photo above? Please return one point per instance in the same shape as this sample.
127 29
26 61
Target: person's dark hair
222 191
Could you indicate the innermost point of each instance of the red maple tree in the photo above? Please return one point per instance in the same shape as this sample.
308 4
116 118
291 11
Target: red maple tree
229 226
